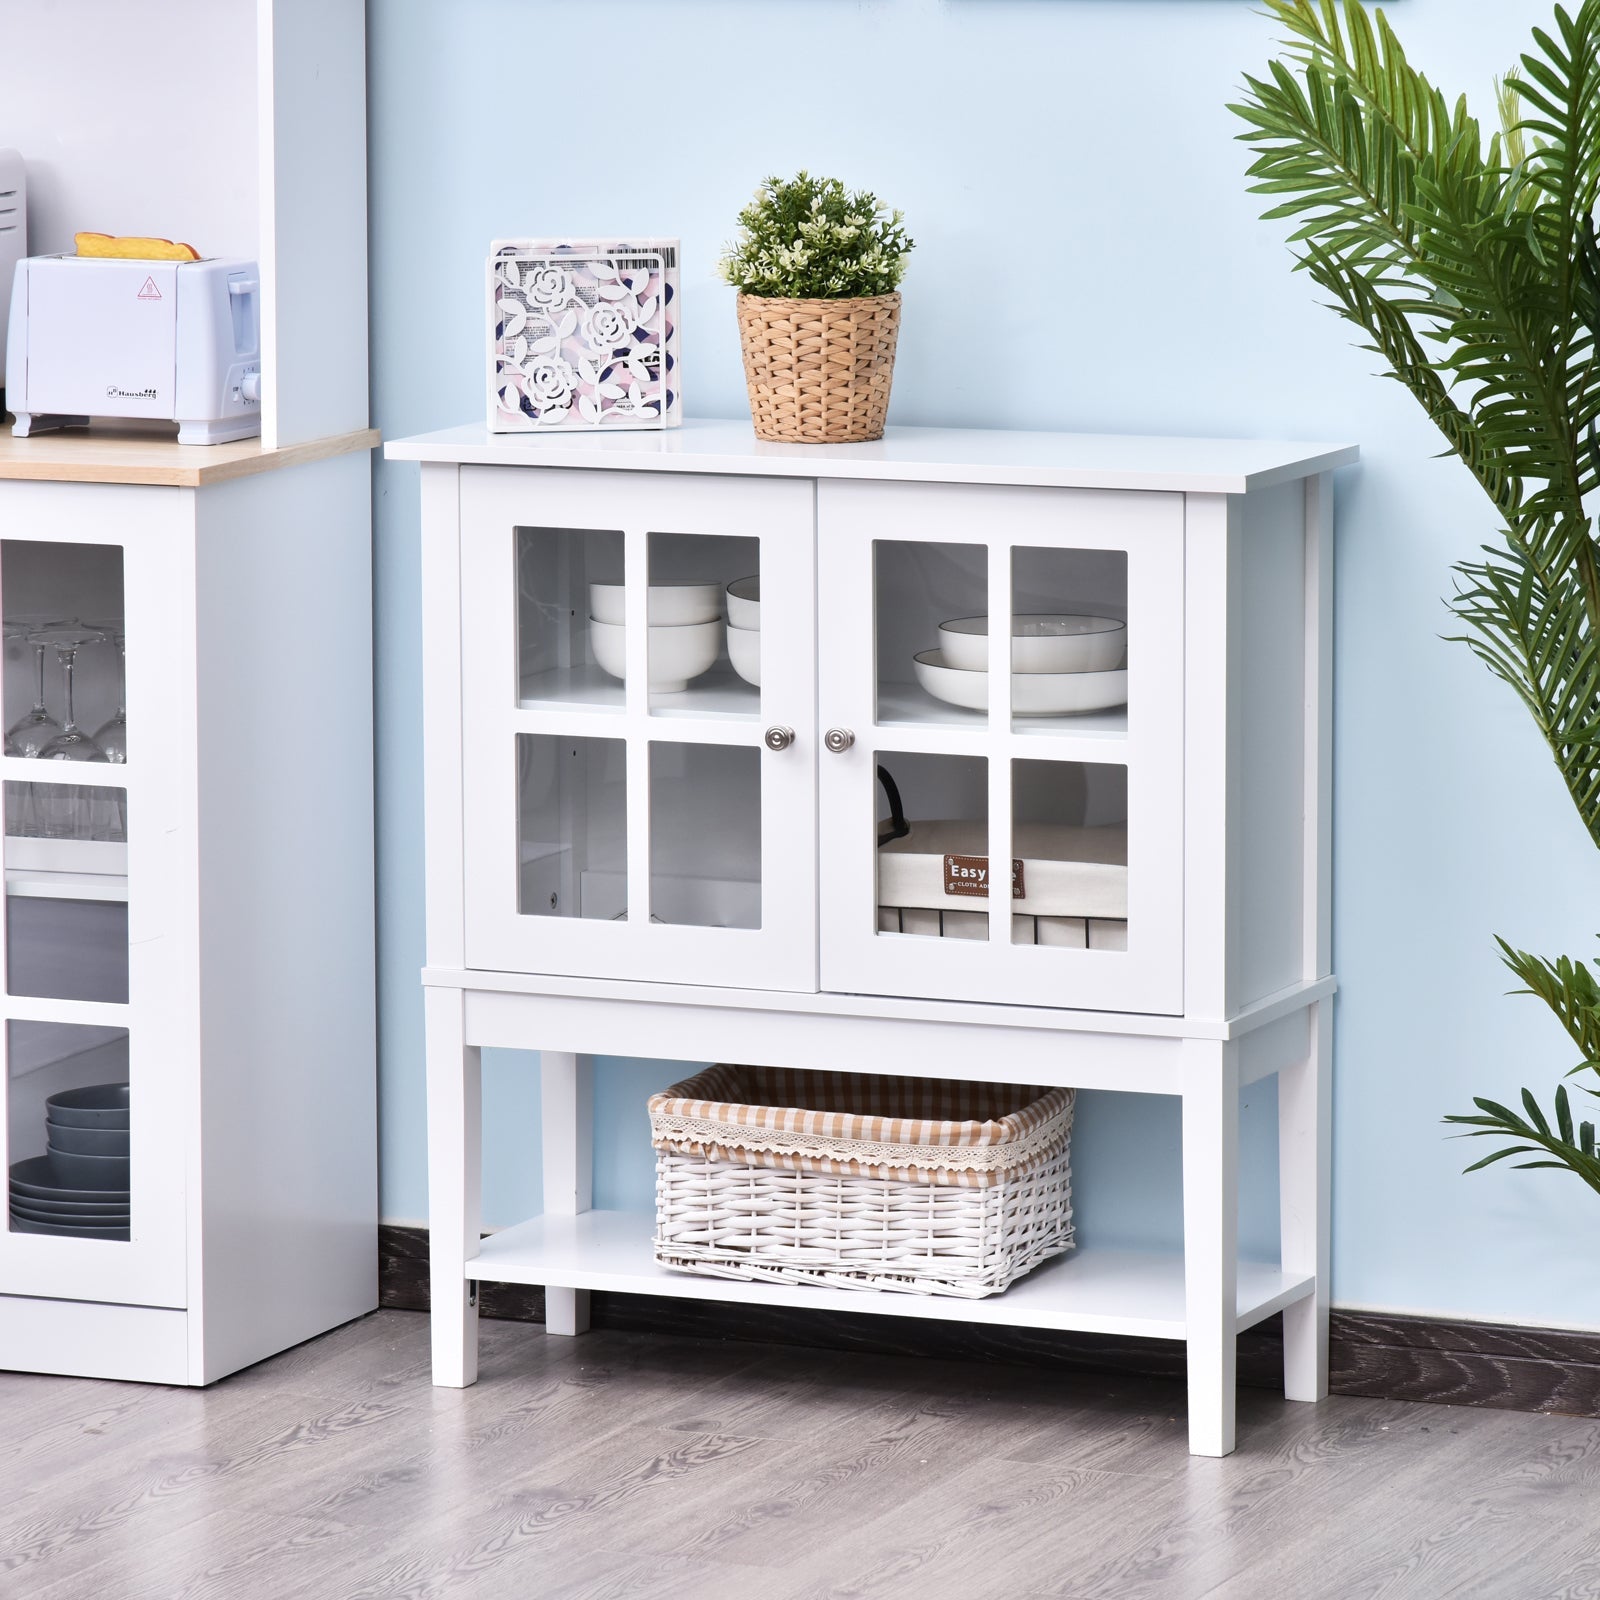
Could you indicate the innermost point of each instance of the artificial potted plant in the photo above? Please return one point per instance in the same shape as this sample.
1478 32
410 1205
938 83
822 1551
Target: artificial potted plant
818 272
1468 257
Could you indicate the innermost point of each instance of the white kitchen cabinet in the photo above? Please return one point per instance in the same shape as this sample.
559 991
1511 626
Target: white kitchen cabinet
711 870
196 921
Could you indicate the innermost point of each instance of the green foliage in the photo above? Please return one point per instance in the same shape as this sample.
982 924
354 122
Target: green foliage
1470 262
808 239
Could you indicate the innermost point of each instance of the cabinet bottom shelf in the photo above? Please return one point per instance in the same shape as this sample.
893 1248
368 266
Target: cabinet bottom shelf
1088 1290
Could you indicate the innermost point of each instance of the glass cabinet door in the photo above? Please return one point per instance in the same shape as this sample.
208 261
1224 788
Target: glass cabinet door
1004 684
93 1139
639 659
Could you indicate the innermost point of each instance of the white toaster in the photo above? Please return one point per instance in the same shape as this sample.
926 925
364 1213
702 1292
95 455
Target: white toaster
13 231
176 341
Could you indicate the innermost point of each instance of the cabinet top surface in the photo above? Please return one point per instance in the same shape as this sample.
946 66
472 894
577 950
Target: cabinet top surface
914 455
133 455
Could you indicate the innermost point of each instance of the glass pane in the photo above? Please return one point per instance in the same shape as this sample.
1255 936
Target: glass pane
1069 639
705 835
933 845
569 616
574 835
1069 840
67 1123
63 622
924 673
705 625
66 872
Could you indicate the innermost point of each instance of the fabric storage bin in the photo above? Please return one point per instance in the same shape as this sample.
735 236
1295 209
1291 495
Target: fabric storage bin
1069 885
861 1182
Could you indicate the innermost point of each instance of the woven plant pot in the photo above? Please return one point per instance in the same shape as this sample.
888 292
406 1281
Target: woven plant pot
819 371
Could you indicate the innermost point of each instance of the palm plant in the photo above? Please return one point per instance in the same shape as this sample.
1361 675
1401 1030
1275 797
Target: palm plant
1470 262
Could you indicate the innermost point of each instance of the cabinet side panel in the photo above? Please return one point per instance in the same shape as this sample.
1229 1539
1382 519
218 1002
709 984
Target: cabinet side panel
1268 824
288 1204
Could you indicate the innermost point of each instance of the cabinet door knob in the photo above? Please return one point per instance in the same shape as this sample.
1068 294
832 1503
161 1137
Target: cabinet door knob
839 740
779 738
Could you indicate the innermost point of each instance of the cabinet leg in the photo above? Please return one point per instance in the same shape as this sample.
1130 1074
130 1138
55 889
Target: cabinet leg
455 1148
1304 1169
1211 1239
566 1113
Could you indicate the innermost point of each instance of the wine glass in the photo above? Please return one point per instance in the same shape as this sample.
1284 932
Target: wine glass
71 743
32 731
68 811
112 736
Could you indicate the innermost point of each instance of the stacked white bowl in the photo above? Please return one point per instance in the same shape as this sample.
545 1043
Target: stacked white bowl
744 628
685 622
1059 664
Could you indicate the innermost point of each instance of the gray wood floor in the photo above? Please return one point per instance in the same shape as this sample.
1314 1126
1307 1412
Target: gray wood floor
619 1465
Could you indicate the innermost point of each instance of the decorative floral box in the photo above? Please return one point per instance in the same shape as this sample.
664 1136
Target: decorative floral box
583 333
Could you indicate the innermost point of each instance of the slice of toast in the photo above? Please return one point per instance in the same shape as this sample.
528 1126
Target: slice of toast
131 247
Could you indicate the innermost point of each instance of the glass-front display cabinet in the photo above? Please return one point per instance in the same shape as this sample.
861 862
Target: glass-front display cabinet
91 1012
665 678
186 1006
958 755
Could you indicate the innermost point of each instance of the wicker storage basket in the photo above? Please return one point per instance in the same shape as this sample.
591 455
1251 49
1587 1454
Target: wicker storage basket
819 371
858 1182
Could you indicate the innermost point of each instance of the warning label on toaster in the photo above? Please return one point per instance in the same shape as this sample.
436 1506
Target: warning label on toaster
969 876
148 290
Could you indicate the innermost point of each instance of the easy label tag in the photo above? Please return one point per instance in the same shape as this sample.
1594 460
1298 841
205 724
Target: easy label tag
968 876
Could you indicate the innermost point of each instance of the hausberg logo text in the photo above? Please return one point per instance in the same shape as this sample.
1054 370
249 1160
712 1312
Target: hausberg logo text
114 393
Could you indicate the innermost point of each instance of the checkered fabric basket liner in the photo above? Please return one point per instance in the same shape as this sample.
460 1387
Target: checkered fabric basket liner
912 1130
918 1186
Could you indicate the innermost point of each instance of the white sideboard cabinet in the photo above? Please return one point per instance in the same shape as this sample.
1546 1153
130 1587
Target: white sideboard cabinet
647 839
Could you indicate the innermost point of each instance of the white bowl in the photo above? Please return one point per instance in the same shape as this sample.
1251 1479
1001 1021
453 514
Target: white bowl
676 654
744 603
670 605
1038 643
744 651
1033 694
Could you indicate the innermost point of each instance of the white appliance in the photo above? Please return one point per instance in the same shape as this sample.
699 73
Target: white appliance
13 230
176 341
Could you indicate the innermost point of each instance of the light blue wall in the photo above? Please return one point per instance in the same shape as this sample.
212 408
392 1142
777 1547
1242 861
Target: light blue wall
1087 259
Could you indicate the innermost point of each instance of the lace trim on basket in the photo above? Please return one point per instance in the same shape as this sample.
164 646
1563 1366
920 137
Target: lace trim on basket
730 1140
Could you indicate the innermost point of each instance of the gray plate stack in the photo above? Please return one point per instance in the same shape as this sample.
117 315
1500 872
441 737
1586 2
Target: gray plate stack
80 1187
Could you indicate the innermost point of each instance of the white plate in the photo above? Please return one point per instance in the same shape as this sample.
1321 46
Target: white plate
744 603
669 605
1038 643
1033 694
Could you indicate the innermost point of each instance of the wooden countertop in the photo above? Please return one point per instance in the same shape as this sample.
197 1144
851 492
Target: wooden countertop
128 455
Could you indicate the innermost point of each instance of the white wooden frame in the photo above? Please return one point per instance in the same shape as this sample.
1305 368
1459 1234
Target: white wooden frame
852 519
1223 1032
158 583
781 953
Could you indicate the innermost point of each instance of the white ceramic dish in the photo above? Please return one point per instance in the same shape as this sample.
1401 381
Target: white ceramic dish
1033 694
677 654
671 605
744 603
1038 643
744 651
